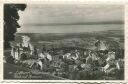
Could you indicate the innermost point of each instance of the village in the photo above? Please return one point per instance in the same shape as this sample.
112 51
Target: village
70 63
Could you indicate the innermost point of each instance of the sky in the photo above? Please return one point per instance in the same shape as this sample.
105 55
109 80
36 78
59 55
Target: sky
70 18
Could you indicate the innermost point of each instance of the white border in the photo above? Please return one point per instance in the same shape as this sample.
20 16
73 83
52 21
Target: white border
117 2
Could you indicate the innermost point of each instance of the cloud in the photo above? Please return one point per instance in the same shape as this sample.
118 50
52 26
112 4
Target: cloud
70 14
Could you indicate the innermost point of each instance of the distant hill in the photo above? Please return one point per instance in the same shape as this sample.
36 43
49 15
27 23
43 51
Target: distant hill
59 36
115 38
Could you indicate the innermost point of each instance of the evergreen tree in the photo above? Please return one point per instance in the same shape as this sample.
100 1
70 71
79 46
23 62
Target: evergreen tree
11 17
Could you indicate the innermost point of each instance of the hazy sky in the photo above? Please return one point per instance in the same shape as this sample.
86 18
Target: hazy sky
70 18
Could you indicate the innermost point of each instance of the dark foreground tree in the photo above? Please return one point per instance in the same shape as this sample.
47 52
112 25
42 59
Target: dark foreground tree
11 17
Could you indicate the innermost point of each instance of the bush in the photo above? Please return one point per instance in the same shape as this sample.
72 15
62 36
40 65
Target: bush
23 56
9 59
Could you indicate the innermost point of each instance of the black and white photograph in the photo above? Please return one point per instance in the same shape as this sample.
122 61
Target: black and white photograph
63 42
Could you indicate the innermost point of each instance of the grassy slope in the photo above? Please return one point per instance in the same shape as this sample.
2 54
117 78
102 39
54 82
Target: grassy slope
10 70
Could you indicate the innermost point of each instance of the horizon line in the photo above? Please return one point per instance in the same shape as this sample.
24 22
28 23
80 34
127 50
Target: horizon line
75 23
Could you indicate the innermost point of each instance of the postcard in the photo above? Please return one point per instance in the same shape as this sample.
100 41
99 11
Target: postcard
63 42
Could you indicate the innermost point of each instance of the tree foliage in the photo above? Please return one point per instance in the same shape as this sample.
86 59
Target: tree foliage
11 17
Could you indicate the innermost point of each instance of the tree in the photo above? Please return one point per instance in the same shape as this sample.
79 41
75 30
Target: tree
11 17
